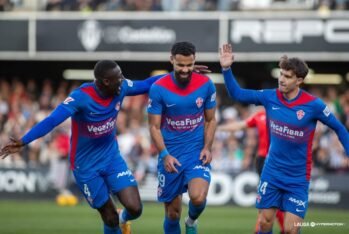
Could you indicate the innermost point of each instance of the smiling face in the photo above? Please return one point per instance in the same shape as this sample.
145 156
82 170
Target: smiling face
112 81
183 67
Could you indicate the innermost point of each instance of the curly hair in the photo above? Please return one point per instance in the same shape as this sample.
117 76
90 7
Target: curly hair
184 48
297 65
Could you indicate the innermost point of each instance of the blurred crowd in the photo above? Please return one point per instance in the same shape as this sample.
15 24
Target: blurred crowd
171 5
25 102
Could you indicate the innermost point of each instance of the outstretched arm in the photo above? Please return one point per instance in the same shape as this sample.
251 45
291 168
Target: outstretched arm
42 128
233 88
141 87
232 127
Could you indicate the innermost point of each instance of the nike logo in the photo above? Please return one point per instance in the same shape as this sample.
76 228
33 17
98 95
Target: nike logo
169 105
94 113
298 210
275 108
132 180
205 175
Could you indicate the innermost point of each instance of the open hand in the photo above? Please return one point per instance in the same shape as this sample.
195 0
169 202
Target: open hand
202 69
226 56
12 147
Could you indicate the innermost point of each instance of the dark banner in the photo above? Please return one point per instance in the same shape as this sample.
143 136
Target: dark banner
289 35
14 35
125 35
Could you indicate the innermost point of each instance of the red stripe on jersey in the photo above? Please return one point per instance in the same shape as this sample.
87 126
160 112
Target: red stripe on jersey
196 82
304 98
94 95
309 155
74 143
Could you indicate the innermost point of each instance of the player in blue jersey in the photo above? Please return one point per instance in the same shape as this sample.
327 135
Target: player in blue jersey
292 115
95 158
182 125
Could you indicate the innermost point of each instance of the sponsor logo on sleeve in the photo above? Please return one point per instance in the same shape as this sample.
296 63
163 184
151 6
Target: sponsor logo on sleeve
67 100
149 103
129 83
326 111
117 106
213 97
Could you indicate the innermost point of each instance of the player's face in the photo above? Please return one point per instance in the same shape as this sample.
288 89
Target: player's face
288 81
112 81
183 67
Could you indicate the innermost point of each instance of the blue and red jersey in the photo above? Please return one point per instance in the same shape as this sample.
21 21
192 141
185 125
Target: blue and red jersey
93 143
182 111
291 126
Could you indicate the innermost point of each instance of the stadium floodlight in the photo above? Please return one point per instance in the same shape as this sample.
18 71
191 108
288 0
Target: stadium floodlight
78 74
315 78
325 79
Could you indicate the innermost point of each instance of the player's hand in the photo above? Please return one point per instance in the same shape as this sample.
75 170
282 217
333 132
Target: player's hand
205 156
226 56
202 69
12 147
170 163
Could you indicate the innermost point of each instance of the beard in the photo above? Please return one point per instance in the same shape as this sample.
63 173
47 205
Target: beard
181 80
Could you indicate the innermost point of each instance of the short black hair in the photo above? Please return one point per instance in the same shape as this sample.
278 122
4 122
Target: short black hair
184 48
297 65
102 67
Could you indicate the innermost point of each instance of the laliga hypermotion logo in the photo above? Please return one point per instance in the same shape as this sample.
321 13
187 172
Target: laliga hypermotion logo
90 34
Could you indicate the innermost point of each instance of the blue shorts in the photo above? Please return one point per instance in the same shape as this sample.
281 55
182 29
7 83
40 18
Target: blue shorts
173 184
98 185
292 198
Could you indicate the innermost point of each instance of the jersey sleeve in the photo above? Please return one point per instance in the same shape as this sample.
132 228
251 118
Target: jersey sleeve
155 101
210 101
133 88
327 117
73 102
247 96
46 125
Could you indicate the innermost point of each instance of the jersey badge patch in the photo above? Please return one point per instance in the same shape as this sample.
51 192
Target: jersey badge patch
199 102
300 114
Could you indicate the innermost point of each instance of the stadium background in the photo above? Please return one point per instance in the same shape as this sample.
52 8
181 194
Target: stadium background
49 47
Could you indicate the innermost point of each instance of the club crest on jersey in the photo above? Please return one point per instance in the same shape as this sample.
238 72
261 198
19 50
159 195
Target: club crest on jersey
199 102
67 100
300 114
117 106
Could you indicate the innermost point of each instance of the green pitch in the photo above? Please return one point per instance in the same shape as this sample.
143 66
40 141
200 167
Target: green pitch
47 218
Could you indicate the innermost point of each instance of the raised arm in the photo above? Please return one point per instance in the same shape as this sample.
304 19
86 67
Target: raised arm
235 92
42 128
